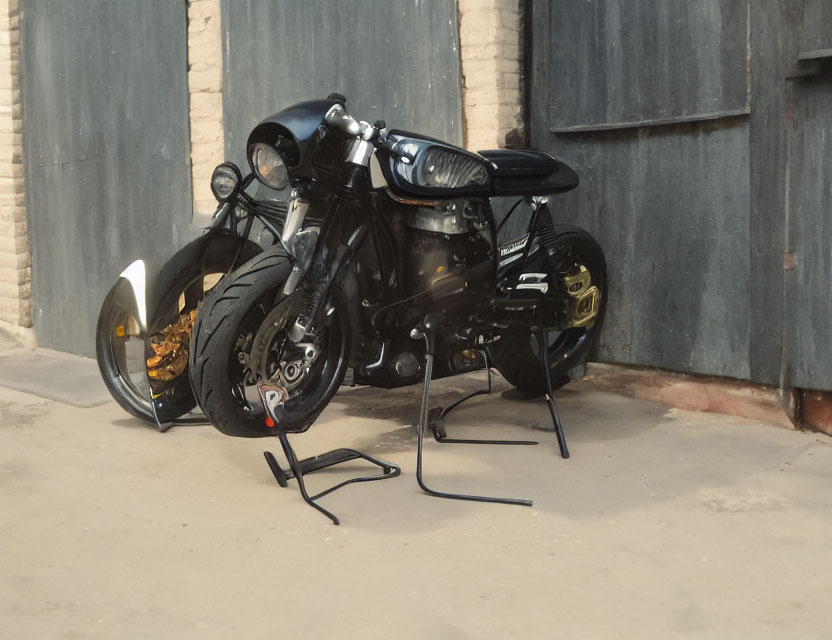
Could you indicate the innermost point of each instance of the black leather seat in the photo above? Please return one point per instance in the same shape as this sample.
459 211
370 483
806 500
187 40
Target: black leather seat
528 172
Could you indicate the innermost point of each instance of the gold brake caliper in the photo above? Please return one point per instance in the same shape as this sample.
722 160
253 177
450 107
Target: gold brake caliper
586 297
172 350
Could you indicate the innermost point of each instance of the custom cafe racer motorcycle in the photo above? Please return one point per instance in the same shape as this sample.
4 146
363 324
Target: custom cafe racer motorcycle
385 264
388 265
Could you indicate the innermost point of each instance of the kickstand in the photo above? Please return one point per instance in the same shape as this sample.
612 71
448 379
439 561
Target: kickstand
299 468
426 331
437 415
550 396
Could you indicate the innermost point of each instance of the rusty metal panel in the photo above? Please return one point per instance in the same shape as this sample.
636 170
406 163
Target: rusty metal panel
809 282
105 133
396 60
616 63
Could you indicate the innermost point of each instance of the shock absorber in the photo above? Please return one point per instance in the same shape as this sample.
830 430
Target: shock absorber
560 258
312 297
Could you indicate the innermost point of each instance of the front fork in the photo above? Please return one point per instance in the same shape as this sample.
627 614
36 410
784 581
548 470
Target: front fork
319 256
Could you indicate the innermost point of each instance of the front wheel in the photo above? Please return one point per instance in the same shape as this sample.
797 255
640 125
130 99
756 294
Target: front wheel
121 349
517 353
240 338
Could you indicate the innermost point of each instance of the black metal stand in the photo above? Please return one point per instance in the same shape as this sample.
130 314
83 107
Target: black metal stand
299 468
426 332
550 400
437 415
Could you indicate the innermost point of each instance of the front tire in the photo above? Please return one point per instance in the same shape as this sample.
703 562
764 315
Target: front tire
238 340
516 355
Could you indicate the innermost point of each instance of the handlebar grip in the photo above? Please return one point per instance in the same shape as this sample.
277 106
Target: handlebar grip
337 118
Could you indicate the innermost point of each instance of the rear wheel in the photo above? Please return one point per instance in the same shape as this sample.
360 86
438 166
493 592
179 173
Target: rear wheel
121 346
517 353
240 338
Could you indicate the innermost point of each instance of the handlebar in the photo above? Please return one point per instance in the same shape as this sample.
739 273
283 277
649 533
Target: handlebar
338 119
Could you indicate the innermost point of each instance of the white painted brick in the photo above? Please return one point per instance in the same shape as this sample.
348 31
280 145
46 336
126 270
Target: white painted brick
205 88
13 275
490 50
15 261
206 106
207 80
15 291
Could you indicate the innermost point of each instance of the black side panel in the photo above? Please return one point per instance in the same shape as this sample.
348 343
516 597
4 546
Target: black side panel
105 134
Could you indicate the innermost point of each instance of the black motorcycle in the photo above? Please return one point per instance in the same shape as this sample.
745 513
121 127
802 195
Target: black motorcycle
388 266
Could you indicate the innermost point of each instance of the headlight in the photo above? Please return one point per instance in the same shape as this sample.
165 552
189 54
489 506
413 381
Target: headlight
269 166
225 181
429 168
443 168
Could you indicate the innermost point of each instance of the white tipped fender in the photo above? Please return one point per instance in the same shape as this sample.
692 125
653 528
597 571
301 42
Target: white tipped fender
136 275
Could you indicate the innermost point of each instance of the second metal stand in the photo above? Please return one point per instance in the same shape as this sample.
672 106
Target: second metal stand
550 400
426 331
437 415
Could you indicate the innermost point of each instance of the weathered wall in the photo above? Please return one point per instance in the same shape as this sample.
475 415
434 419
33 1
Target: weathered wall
106 151
704 159
397 60
490 37
15 266
205 92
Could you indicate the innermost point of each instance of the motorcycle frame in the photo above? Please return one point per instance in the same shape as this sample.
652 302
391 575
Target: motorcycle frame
354 212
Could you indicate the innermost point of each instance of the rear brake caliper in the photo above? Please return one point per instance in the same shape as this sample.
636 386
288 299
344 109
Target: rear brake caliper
586 297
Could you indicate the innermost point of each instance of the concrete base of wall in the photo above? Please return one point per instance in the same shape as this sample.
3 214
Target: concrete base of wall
693 393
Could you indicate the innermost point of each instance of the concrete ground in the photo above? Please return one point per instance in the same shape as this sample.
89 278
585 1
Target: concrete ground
663 524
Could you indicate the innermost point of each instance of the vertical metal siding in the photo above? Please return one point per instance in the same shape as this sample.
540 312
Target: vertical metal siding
817 25
617 63
105 131
774 41
809 285
669 204
396 60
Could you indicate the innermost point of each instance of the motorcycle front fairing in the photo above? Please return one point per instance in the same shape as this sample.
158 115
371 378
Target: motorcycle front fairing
298 130
417 165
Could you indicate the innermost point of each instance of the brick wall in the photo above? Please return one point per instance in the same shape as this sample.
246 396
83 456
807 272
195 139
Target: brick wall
490 35
15 264
205 89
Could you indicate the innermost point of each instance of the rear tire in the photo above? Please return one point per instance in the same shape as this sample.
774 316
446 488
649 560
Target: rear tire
516 355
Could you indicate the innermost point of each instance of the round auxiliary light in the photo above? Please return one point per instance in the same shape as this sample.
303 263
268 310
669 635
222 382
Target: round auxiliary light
225 181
